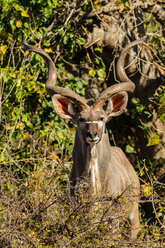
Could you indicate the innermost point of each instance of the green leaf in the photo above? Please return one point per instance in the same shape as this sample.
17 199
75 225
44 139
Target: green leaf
81 41
98 49
29 124
89 21
26 25
70 76
139 108
162 117
80 84
13 24
18 7
101 73
55 2
154 140
3 158
130 149
135 100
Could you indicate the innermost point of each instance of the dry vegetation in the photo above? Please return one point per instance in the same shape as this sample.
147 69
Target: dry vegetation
38 212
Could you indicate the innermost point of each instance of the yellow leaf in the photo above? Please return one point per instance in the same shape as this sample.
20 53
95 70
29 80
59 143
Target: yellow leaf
141 173
24 14
1 58
26 53
97 5
54 157
147 190
2 52
154 140
26 184
8 127
117 3
40 92
92 72
150 107
14 75
19 124
121 8
48 50
19 24
3 49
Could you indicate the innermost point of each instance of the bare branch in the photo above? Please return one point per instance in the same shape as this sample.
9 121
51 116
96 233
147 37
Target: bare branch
155 9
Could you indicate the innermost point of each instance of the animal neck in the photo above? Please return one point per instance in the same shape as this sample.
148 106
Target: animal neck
93 169
91 160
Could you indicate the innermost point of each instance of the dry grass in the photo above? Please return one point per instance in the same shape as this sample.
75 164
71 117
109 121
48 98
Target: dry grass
38 212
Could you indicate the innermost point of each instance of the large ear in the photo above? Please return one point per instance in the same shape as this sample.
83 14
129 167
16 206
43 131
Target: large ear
63 107
116 104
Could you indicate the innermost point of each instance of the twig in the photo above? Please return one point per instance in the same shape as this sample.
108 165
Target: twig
65 23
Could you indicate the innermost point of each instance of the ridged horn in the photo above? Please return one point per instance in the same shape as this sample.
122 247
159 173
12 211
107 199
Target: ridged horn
126 84
50 85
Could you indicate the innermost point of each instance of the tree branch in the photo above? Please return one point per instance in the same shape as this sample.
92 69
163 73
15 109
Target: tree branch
155 9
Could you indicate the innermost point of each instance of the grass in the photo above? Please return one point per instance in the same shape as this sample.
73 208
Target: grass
38 212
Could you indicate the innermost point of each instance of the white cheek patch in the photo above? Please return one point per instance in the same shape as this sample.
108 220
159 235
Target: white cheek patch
99 123
92 122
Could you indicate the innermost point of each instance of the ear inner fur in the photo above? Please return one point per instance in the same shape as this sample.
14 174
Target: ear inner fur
117 102
62 105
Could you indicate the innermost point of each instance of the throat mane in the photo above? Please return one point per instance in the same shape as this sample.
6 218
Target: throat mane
93 170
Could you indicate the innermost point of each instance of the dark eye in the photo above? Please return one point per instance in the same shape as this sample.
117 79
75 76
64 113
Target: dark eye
101 118
81 120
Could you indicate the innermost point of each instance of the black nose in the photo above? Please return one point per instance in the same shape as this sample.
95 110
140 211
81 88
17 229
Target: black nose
91 135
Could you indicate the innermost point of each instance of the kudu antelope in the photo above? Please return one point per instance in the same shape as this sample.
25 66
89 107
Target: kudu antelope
107 167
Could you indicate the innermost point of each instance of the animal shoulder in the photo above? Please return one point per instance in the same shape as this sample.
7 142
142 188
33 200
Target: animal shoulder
119 158
117 154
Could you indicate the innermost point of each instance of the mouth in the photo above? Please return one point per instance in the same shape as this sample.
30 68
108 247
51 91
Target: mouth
92 141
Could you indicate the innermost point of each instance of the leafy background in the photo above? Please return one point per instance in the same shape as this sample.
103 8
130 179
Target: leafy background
36 145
